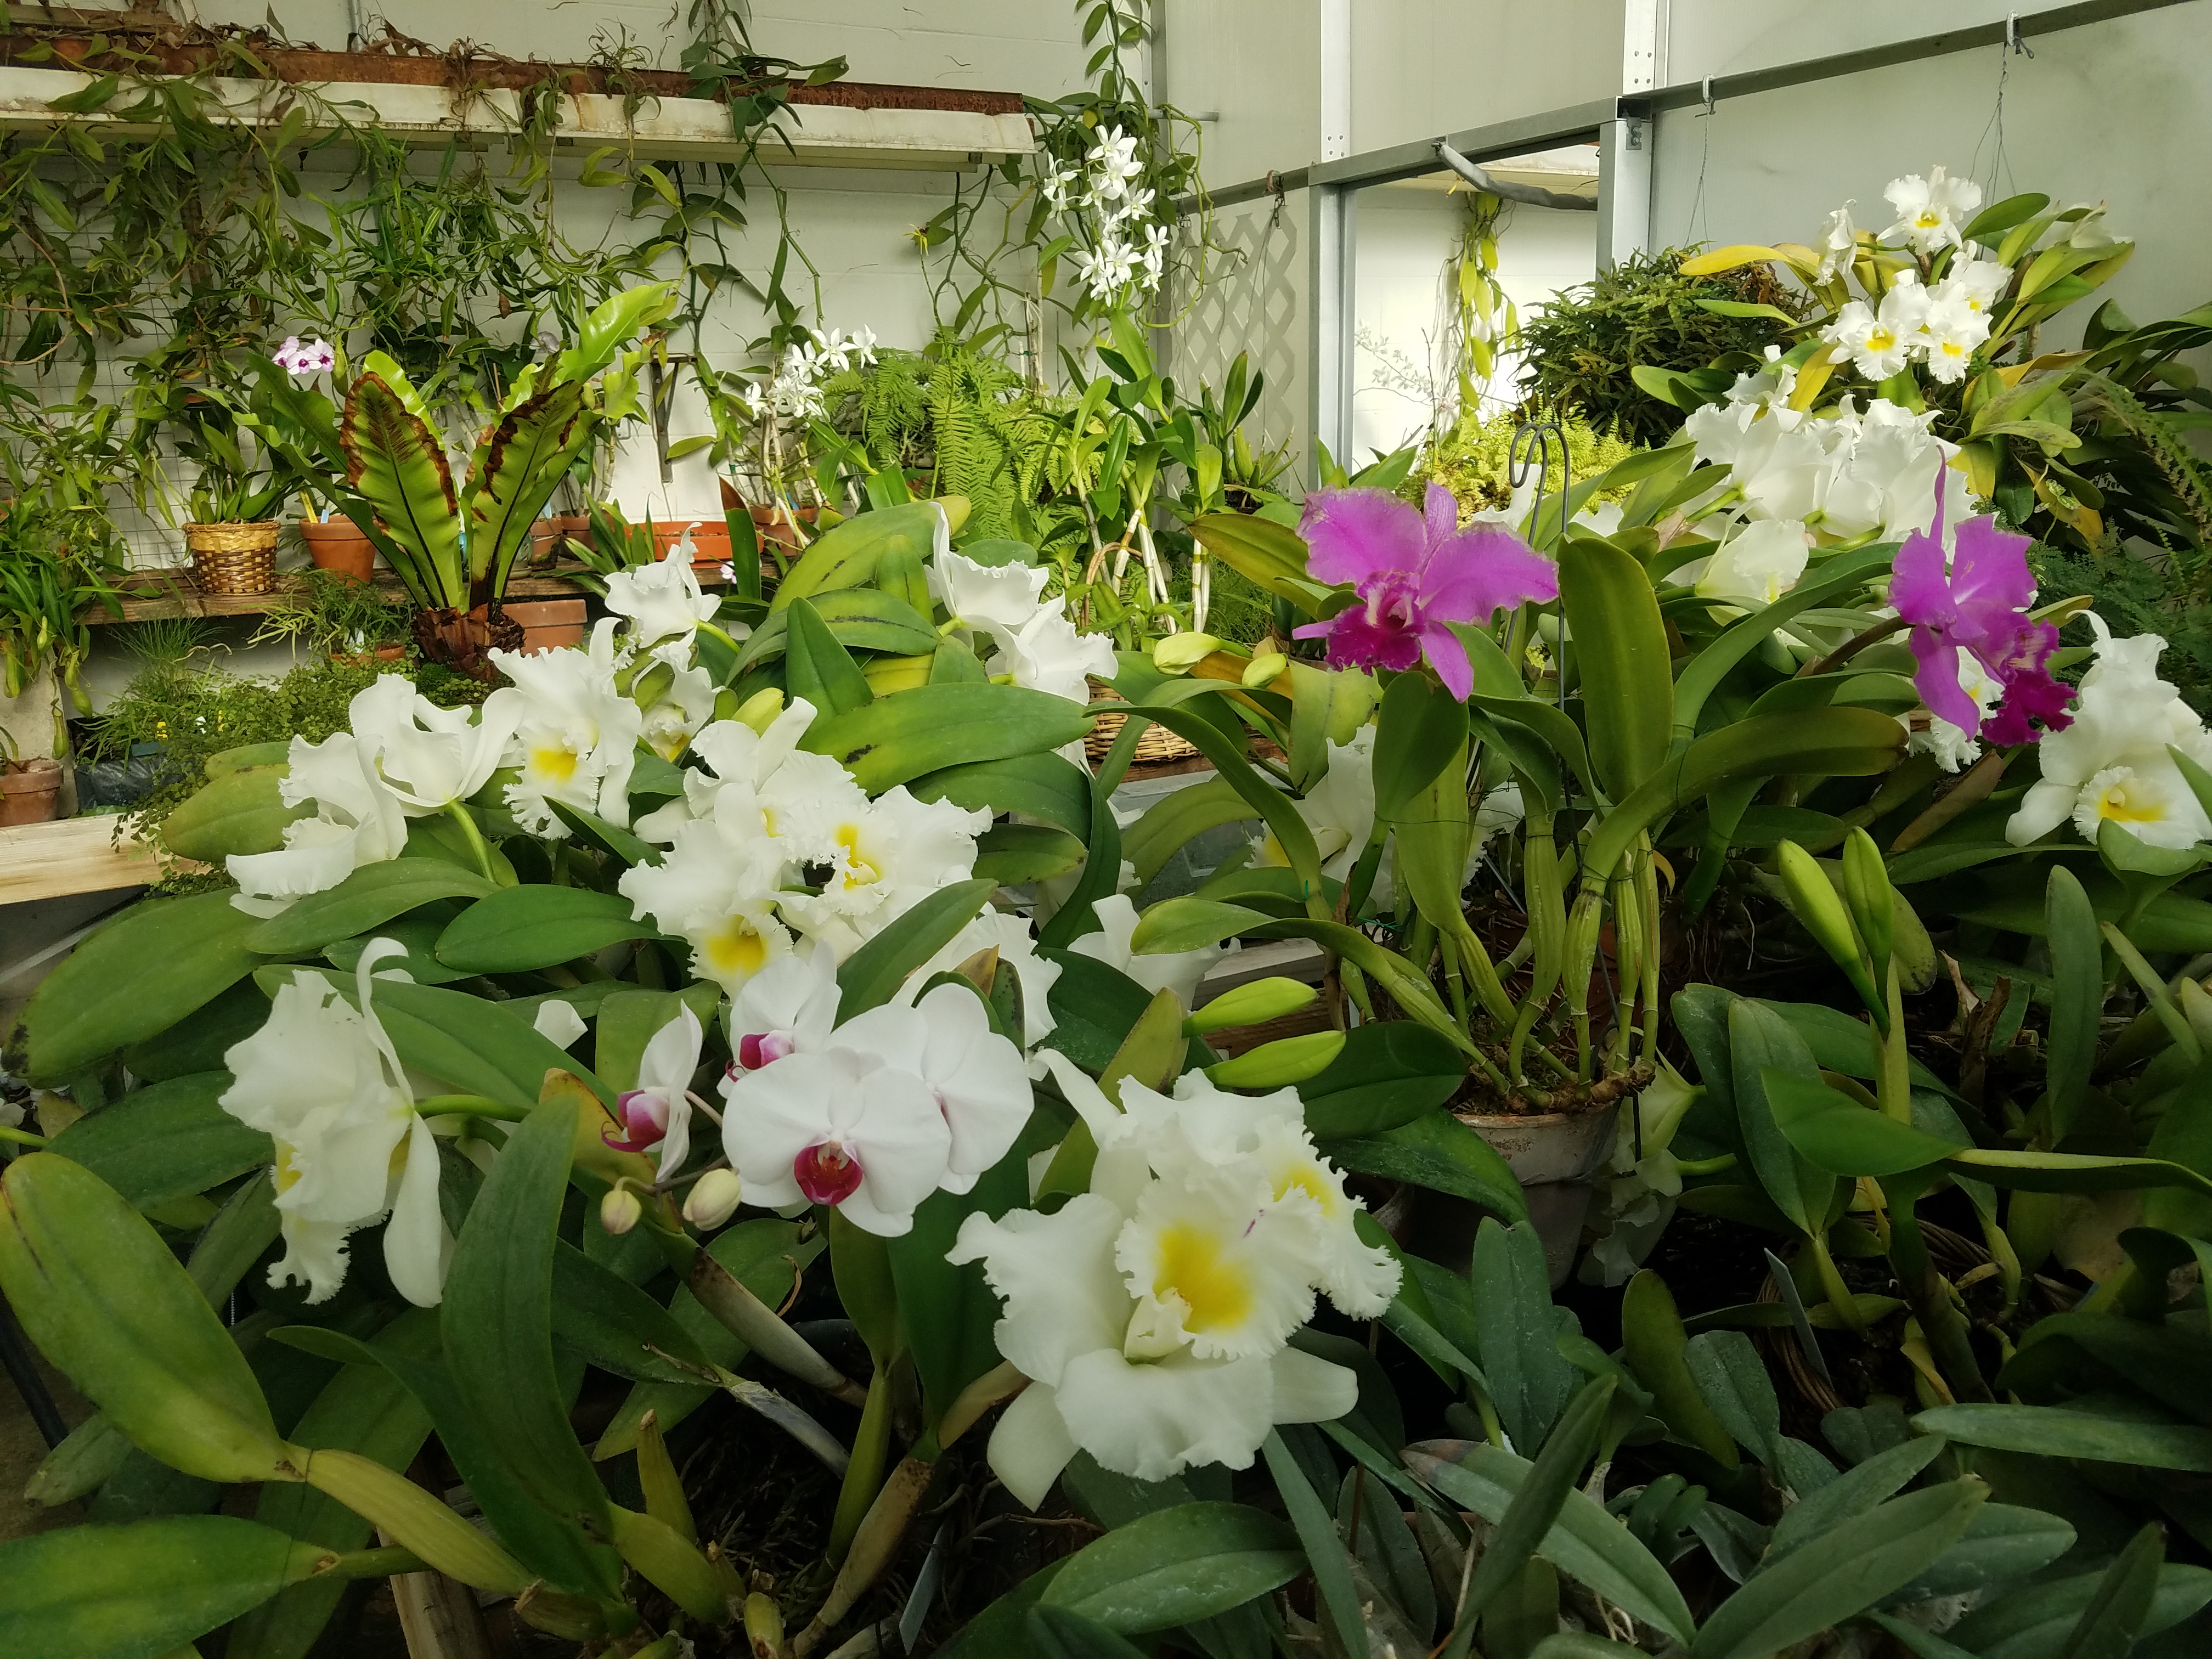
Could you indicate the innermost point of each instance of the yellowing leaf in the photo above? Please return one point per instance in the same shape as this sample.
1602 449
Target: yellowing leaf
1731 257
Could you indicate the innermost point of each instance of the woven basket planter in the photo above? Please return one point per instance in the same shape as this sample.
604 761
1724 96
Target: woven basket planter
233 559
1158 744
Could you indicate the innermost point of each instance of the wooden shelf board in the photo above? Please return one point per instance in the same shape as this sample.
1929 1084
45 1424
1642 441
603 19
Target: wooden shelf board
73 855
186 599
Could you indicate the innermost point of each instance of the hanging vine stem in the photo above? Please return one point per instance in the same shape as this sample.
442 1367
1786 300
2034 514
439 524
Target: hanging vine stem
1532 452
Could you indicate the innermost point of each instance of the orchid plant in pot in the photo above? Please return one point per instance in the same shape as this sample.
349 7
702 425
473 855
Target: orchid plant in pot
376 454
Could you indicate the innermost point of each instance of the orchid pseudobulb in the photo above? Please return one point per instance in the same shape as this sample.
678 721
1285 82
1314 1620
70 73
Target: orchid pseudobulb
1413 574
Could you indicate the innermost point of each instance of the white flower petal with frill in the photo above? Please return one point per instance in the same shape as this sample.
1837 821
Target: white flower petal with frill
884 1122
574 736
1010 936
882 857
322 1080
1179 971
1758 564
1046 653
996 599
718 888
685 709
429 756
660 601
358 820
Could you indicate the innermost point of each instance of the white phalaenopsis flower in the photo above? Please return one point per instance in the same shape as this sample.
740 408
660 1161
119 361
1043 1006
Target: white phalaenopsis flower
323 1081
1758 564
900 1102
2113 761
1112 163
1880 342
662 600
789 1008
358 820
574 736
1152 1313
658 1112
1928 209
1179 971
1840 242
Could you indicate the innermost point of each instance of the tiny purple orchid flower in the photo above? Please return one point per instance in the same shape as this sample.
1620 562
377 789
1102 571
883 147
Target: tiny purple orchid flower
1414 573
1979 604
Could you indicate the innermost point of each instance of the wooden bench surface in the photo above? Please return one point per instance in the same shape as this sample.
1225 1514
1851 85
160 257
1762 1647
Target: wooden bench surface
71 855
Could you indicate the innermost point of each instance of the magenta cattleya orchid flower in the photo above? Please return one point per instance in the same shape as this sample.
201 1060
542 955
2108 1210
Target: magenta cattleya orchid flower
1979 604
1413 574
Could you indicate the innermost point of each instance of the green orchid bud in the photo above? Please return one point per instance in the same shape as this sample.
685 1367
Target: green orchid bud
1178 653
650 687
1278 1065
1813 901
1867 890
759 710
1250 1004
620 1211
1266 669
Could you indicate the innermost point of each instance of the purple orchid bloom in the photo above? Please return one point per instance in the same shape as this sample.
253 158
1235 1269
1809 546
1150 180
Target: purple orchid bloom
1978 604
1413 574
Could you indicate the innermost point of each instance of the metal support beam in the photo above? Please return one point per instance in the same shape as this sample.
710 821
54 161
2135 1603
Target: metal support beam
1624 190
1332 241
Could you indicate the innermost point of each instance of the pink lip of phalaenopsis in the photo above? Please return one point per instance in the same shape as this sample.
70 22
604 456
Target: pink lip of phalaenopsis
645 1114
827 1173
1414 573
757 1049
1978 603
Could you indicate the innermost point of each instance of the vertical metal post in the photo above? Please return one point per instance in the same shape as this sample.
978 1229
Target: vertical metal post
1333 235
1336 79
1624 190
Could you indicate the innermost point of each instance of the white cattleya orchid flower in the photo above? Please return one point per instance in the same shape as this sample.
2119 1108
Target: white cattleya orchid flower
1152 1313
662 600
995 599
737 755
1839 244
1949 333
1046 653
1012 938
574 736
1179 971
430 756
1953 746
2114 762
1976 283
323 1081
717 890
657 1114
1758 564
1880 342
358 820
682 711
882 857
1928 209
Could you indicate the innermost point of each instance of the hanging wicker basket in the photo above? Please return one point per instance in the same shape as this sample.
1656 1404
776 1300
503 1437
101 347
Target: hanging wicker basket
1157 744
233 559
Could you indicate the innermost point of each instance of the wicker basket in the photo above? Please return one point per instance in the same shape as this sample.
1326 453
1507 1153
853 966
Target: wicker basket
1157 744
233 559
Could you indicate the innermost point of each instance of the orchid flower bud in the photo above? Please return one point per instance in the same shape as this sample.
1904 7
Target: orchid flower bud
1277 1065
620 1211
1266 669
714 1199
1250 1004
1178 653
759 710
1813 901
1866 889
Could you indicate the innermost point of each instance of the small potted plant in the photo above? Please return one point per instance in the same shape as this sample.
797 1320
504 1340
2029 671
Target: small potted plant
230 525
338 616
29 786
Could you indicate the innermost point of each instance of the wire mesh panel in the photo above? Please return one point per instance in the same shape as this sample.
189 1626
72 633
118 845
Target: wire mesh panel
1253 300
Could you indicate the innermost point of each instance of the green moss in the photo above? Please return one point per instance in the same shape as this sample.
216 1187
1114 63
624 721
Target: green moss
1474 460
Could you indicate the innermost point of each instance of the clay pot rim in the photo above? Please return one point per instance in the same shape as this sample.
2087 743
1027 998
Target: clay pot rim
19 772
1537 1119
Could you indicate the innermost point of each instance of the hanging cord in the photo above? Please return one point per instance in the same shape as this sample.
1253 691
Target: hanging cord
2000 165
1704 155
1531 450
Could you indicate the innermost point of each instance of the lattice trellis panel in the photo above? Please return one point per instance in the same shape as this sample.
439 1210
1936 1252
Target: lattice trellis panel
1253 299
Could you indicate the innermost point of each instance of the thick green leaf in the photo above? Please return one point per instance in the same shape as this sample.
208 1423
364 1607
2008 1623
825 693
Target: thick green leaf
1759 1041
1062 1634
1857 1565
1733 1383
477 1046
1388 1073
516 929
1191 924
609 1322
1850 1495
2075 1172
1418 729
398 465
1835 1132
1407 987
1656 1346
165 1141
105 1300
932 727
2033 1621
1326 1555
2005 1544
198 1042
1093 1006
1175 820
1844 743
132 978
142 1591
858 618
1704 673
1438 1151
2078 997
871 975
1174 1565
2052 1432
497 1322
372 894
1529 1381
847 555
239 811
1618 646
1046 787
818 667
948 1313
610 838
1268 554
1010 854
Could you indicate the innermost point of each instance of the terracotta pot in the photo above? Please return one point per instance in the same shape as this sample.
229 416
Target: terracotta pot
338 545
710 544
383 653
548 624
460 639
28 792
773 525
